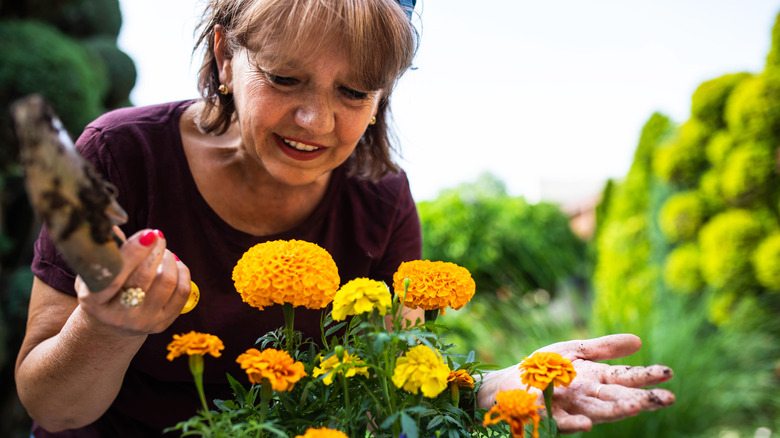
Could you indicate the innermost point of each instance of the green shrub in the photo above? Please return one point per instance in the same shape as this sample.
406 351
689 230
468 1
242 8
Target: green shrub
682 215
726 243
120 71
710 97
682 159
753 109
718 148
681 270
710 191
32 52
748 173
766 260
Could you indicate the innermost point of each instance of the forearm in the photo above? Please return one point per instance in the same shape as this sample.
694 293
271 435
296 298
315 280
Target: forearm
69 380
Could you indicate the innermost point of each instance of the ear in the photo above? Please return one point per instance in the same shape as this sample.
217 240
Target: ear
222 55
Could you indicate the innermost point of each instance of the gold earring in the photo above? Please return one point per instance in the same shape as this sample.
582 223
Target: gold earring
223 89
372 121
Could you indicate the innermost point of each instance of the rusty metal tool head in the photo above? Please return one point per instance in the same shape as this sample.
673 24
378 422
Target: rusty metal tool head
77 206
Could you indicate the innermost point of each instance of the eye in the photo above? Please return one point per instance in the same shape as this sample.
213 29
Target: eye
284 81
353 94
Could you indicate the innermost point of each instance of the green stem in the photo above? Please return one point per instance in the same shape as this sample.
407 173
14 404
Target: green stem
289 322
548 394
347 407
196 368
265 398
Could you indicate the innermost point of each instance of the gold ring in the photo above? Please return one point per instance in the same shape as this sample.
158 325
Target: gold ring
596 394
132 297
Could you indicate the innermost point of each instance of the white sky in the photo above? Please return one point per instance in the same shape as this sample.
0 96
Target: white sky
536 92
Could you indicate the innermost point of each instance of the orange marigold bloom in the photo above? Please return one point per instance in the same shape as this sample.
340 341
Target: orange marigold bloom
543 367
460 378
275 365
195 343
434 285
286 271
323 433
517 407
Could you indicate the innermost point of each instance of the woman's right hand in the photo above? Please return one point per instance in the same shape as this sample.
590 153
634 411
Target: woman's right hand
148 265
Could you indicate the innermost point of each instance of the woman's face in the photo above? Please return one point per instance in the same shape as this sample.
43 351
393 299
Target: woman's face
302 120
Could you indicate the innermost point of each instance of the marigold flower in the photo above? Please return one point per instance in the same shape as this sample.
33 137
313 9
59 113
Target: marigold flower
277 272
517 407
361 295
323 433
434 285
460 378
544 367
329 365
195 343
421 369
275 365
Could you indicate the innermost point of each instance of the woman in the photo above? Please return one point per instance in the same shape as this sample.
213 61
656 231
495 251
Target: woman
289 141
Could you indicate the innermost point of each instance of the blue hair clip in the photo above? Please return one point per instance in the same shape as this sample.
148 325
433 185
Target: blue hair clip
408 6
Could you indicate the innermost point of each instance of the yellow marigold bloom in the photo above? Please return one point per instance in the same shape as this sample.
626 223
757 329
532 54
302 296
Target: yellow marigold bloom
517 407
361 295
421 369
327 366
542 368
195 343
461 378
323 433
296 272
434 285
275 365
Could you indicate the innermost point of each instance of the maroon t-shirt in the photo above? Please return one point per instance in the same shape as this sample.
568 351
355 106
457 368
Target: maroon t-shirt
368 228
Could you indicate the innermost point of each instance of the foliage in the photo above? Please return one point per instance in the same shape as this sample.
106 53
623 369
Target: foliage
681 159
682 271
710 97
753 110
682 215
510 247
120 69
749 173
766 260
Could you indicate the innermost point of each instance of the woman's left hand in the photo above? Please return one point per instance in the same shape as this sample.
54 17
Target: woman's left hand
600 393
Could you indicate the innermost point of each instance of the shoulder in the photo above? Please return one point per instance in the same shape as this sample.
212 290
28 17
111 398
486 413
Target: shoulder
124 118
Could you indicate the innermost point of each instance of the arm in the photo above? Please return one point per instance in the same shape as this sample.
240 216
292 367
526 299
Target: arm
76 350
576 407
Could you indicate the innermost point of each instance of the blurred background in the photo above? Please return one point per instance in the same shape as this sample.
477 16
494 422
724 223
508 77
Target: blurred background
599 167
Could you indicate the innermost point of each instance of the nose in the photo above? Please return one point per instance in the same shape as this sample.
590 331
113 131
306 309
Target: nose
316 114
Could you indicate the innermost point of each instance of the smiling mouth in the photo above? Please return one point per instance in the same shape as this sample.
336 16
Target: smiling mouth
298 146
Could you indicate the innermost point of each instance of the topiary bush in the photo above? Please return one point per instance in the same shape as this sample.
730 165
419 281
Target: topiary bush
766 261
749 173
119 67
753 109
682 215
682 159
725 241
682 272
710 97
718 148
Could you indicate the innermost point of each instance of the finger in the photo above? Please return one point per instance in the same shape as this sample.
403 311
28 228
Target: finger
600 411
119 233
164 283
637 377
568 423
143 253
598 349
648 400
181 294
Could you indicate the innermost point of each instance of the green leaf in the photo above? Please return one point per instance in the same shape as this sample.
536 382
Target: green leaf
409 426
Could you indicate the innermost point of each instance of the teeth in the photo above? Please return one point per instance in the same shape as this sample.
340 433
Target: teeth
299 146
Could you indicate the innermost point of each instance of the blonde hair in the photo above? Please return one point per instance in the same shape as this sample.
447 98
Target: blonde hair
378 38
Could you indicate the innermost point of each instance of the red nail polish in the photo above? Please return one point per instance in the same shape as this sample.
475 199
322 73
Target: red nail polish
148 238
176 257
159 234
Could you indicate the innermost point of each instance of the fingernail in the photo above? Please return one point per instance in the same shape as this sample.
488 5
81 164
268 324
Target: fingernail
159 234
148 238
176 257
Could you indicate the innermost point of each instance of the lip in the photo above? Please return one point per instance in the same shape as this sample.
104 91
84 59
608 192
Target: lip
295 153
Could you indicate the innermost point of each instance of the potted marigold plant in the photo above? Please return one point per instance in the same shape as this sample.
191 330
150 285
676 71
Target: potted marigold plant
368 380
